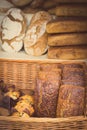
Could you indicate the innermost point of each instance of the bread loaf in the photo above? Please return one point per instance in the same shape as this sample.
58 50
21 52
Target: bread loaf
73 76
67 25
21 2
36 3
46 93
35 41
5 5
68 52
70 10
71 101
67 39
13 30
69 1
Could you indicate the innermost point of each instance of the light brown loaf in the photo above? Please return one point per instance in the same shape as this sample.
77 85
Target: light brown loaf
71 101
67 39
35 41
39 48
68 52
70 10
67 25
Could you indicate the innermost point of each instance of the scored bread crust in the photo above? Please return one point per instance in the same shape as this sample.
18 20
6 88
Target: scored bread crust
35 41
13 30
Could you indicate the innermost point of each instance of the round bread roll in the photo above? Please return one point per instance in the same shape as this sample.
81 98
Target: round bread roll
5 6
35 41
21 2
13 30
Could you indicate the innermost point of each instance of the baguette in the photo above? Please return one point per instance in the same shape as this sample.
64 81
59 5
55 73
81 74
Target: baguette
67 25
67 39
68 52
69 10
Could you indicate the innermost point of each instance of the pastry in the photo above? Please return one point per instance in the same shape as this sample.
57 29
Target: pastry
24 106
67 39
21 2
13 94
18 114
70 101
13 30
68 52
46 93
67 25
35 41
28 98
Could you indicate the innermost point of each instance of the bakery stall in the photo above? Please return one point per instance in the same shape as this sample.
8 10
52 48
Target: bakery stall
43 64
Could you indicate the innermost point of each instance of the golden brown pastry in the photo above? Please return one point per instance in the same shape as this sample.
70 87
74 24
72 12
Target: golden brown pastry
28 98
67 39
13 94
18 114
24 106
70 101
67 25
68 52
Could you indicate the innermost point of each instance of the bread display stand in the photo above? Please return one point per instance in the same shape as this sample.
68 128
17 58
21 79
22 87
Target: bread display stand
21 69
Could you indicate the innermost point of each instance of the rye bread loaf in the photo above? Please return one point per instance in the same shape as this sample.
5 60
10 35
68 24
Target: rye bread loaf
73 76
46 93
71 101
67 39
67 25
68 52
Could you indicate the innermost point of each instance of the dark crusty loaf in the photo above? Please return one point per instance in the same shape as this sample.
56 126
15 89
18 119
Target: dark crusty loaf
46 93
71 101
68 52
73 76
67 39
67 25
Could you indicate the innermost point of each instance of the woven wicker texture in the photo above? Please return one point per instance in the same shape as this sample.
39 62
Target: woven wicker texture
23 75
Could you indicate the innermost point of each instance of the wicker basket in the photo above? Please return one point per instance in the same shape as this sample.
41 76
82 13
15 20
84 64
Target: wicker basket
22 73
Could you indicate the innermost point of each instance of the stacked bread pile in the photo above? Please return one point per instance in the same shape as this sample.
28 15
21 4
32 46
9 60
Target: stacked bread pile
60 90
68 33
